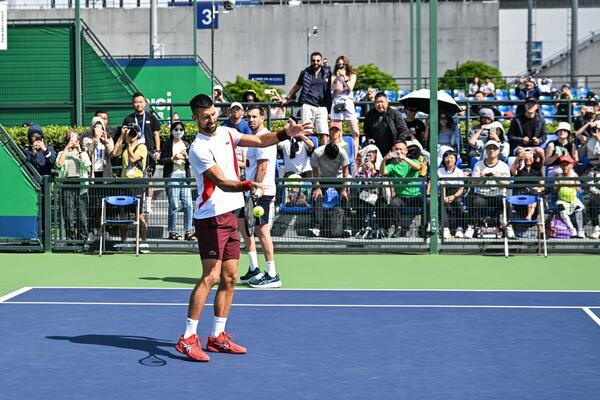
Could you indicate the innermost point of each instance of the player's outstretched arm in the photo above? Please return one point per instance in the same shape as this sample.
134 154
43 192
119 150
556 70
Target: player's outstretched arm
216 176
292 129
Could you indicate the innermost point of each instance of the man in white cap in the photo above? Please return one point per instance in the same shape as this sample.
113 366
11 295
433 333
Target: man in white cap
487 200
236 119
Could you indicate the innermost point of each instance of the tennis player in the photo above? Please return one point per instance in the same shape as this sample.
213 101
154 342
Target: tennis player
213 160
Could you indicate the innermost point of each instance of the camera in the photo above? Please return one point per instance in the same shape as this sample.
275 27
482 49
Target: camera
270 91
228 4
134 130
488 174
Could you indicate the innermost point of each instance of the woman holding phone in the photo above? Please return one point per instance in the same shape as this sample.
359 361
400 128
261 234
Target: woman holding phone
343 80
174 158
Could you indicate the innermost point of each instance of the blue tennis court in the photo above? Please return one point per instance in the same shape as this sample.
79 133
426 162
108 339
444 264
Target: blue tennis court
303 344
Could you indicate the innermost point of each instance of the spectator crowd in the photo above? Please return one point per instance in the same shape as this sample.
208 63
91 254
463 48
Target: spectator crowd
393 145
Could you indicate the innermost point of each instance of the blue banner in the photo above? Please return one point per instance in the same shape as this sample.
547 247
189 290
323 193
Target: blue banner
268 79
205 14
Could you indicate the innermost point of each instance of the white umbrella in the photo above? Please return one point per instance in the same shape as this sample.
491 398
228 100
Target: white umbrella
420 100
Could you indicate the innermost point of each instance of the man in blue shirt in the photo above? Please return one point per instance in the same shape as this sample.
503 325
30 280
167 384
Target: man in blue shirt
236 120
315 96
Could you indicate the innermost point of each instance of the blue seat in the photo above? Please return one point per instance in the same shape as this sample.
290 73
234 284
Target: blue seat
294 208
391 95
524 201
501 93
122 203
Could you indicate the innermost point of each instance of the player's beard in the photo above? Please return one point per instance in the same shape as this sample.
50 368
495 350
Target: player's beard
208 128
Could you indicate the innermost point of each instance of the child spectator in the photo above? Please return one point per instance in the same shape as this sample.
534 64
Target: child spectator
560 147
568 203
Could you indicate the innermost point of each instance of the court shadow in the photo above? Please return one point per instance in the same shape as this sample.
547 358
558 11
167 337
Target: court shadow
148 345
172 279
177 279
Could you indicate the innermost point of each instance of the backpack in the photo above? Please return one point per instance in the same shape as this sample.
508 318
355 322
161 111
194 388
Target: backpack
333 222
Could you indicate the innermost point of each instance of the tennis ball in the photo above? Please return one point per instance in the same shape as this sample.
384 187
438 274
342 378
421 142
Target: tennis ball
567 194
258 211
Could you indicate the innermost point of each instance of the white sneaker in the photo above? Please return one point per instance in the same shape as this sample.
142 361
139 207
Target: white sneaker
144 248
459 234
573 232
595 233
510 233
446 233
581 234
314 232
469 233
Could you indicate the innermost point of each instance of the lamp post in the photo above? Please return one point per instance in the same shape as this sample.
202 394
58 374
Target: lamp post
309 34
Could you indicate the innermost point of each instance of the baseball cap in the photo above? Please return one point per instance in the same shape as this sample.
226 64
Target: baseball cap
532 99
335 125
486 113
492 143
218 87
497 125
236 104
563 126
566 159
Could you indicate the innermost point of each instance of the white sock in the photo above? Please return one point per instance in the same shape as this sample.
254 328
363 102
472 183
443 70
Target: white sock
271 268
218 325
253 260
191 326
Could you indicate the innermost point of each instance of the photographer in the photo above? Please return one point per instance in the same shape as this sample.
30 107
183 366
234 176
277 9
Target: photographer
74 163
586 121
149 126
41 156
343 80
407 195
134 155
486 203
527 88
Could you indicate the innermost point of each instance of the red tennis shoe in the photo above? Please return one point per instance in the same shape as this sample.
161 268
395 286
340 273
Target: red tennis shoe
224 344
191 348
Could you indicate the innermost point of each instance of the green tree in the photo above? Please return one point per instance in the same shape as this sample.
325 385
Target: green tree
235 90
369 75
463 74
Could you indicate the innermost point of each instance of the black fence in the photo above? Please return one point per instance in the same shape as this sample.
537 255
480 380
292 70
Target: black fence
372 217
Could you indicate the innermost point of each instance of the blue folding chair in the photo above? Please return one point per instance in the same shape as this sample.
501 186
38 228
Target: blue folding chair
122 203
525 201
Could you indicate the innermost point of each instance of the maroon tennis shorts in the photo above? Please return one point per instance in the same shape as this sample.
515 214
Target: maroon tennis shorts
218 237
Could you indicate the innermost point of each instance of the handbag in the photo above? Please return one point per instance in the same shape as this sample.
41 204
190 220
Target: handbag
368 197
339 107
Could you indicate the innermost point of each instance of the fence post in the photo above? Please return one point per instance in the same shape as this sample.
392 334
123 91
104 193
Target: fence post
47 213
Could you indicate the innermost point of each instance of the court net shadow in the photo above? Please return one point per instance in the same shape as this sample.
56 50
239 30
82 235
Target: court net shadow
154 357
180 279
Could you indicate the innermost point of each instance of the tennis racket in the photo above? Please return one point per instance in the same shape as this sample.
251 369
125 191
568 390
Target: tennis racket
250 219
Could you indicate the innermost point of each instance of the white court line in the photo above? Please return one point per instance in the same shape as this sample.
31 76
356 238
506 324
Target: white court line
15 293
330 290
591 314
308 305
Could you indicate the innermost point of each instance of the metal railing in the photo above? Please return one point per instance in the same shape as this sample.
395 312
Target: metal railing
385 222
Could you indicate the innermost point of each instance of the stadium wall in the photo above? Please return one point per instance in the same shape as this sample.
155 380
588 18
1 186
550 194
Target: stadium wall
273 39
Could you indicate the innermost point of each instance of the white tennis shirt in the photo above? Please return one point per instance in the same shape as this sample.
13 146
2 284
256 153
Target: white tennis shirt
206 152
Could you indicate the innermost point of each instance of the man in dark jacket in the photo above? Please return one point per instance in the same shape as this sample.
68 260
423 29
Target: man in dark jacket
40 155
527 129
384 124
